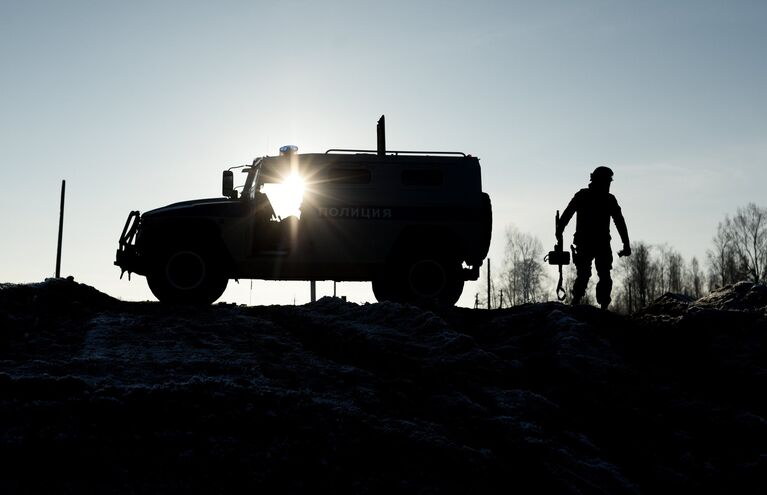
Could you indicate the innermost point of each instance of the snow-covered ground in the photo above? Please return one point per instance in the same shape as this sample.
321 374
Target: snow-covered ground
102 395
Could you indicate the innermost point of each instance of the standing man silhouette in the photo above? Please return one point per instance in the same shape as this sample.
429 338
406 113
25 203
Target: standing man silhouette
595 206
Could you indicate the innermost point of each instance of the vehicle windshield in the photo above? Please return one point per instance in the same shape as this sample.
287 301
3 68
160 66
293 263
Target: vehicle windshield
284 193
286 196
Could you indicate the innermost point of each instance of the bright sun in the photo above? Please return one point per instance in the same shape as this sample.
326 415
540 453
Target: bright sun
286 196
294 185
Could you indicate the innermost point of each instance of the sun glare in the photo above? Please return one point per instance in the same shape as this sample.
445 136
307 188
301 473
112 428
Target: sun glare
294 185
286 196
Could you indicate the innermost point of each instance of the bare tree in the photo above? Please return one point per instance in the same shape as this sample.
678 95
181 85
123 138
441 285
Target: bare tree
670 271
650 272
622 296
639 277
748 232
724 265
695 280
522 274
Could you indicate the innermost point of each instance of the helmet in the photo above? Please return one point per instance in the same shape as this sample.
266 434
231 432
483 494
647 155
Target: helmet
602 174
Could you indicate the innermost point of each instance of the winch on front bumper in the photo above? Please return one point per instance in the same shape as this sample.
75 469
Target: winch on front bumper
127 257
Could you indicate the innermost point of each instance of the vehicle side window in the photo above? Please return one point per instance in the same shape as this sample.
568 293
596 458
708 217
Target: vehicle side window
338 175
427 178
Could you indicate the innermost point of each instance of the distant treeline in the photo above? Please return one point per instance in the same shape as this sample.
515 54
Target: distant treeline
738 252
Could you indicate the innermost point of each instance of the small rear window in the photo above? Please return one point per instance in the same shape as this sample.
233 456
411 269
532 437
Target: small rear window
422 177
348 176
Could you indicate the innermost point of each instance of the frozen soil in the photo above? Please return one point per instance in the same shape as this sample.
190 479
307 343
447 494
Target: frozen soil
99 395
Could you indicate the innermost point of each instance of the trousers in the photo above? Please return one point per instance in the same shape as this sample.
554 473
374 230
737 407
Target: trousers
602 256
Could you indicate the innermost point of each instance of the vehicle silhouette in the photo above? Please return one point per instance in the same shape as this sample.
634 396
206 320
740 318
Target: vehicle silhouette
415 223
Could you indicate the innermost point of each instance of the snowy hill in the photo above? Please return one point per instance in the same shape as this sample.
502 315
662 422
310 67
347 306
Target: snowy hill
102 395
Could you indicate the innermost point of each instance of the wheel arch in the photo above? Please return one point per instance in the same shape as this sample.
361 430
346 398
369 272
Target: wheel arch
443 238
205 233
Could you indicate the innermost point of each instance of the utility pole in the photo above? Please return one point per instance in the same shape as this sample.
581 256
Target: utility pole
489 294
61 229
500 306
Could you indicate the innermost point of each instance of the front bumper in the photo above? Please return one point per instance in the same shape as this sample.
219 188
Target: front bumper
127 257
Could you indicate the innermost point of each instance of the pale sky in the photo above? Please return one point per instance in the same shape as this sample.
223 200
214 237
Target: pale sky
140 104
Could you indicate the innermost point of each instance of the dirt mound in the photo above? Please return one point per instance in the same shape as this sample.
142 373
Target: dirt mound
52 295
334 396
743 296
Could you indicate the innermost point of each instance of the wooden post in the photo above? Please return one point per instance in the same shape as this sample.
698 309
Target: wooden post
61 229
489 294
313 290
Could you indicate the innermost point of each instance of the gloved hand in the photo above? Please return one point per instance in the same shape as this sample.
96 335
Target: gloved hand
626 251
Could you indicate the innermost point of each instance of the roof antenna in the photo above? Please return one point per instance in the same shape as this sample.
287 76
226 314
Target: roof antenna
381 131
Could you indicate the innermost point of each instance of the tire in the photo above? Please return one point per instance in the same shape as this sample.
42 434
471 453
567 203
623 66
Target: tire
453 292
428 280
383 289
187 275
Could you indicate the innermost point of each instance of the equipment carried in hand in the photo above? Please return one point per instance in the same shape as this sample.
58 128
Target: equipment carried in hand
558 257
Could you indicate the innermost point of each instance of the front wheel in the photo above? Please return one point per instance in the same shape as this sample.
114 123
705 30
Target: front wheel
187 275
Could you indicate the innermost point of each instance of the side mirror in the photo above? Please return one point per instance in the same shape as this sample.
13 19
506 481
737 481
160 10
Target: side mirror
227 184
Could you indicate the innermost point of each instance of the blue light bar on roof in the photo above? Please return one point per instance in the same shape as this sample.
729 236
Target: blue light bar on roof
288 149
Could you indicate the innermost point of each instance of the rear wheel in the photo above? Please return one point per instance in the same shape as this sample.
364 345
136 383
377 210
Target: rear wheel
383 288
187 275
425 280
433 280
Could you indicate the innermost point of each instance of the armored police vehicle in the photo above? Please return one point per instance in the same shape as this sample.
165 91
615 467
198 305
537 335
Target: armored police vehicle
415 223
